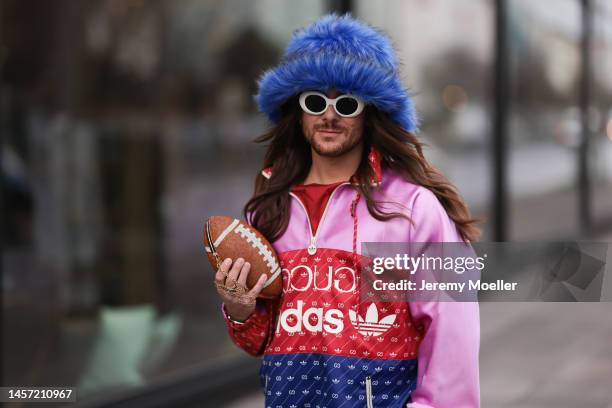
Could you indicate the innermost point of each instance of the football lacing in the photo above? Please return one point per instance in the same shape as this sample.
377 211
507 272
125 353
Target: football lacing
256 243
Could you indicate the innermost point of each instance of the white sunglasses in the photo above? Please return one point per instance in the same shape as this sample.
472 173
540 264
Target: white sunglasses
345 105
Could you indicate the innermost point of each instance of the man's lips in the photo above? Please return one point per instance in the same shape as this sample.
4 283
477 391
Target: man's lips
330 131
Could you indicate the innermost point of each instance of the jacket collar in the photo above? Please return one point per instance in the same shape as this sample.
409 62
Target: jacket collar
374 160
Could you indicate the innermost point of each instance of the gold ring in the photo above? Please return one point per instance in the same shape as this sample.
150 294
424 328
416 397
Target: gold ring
231 284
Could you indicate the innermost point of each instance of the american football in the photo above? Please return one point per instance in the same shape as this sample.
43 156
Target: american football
226 237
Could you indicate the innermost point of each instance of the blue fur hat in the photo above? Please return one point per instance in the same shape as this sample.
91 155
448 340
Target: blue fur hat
343 53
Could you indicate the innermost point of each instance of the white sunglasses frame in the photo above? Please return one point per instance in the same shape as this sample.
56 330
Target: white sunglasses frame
331 101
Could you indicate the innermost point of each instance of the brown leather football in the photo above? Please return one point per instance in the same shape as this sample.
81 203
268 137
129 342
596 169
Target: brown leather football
232 238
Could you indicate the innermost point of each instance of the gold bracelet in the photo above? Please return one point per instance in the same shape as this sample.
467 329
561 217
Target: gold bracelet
228 317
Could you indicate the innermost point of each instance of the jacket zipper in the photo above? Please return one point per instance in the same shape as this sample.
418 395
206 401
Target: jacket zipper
368 384
312 247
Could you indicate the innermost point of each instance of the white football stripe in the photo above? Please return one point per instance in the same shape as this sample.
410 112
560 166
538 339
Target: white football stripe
207 248
272 277
226 231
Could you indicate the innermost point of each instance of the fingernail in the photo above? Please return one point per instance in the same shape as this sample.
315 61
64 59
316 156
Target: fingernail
239 260
247 264
227 261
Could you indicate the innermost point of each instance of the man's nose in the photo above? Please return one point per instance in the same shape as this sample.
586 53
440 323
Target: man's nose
330 114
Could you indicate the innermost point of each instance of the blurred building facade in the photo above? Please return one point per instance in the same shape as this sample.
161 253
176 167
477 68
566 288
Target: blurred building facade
126 123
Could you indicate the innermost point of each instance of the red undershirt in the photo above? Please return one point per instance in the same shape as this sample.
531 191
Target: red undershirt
315 197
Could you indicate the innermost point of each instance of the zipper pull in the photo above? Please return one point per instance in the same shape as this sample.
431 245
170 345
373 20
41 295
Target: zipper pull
354 203
312 249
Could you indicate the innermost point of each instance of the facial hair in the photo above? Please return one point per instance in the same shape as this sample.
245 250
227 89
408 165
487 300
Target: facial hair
348 144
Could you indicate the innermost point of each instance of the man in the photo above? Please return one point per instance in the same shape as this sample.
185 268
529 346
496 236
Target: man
344 166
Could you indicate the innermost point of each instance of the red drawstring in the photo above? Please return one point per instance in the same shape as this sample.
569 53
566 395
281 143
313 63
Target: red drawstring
354 215
355 256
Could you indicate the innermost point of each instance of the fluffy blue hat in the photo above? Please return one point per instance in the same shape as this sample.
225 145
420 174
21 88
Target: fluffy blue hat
343 53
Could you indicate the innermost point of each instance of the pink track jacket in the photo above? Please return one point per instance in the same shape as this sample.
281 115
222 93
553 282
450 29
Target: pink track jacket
322 348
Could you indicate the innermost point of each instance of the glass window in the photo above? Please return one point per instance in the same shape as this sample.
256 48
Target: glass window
446 50
601 113
544 118
127 124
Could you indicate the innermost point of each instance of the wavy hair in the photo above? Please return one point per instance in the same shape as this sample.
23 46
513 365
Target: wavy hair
289 155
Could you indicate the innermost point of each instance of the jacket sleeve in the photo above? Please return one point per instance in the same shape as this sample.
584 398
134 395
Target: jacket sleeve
448 371
253 334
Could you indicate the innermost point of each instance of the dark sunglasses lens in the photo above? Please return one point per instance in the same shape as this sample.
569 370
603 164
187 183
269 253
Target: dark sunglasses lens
315 103
347 106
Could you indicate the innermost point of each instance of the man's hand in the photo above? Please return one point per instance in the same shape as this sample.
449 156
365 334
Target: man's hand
231 285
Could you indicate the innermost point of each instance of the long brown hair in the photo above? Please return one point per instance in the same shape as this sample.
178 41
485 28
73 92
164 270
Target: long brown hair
289 155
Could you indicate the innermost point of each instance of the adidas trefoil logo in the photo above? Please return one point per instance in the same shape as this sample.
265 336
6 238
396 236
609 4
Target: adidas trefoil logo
371 326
